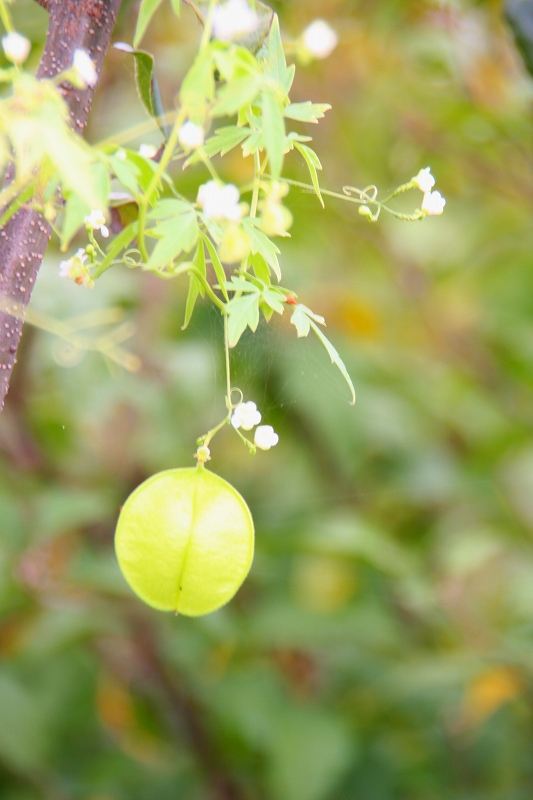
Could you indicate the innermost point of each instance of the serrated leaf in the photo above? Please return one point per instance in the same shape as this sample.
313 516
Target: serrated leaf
254 142
301 317
195 287
241 285
169 207
233 96
242 312
217 264
146 12
276 63
225 139
335 358
306 112
313 163
260 243
178 235
198 87
273 299
273 132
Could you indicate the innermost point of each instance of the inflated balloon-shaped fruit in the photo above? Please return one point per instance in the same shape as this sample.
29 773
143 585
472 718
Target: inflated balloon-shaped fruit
185 541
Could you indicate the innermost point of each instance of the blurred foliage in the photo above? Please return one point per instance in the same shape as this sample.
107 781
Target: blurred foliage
382 647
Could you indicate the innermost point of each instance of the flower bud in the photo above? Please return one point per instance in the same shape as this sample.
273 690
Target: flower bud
16 47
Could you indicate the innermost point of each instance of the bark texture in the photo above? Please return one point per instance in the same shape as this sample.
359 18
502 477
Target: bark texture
86 24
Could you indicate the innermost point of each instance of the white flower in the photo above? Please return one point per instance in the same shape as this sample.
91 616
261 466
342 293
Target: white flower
16 47
233 19
220 202
265 437
121 155
96 221
75 268
85 67
433 204
191 135
147 150
424 180
320 39
246 416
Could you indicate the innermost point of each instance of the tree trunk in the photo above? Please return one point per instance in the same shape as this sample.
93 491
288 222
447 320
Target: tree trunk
86 24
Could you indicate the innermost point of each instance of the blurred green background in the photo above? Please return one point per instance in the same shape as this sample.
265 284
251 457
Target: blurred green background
382 647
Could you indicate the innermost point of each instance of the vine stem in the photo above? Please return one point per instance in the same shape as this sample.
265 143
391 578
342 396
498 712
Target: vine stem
158 174
208 25
228 368
255 193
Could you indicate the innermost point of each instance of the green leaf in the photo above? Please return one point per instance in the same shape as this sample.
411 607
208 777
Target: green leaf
127 172
170 207
254 142
335 358
313 163
260 268
276 63
217 264
519 15
225 139
242 312
198 87
146 12
273 132
241 285
233 96
147 85
195 287
306 112
176 6
304 319
260 243
120 242
273 298
178 235
76 209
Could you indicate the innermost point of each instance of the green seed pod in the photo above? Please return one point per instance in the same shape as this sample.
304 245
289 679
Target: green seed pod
185 541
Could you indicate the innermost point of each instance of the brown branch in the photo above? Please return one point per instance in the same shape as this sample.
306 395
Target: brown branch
86 24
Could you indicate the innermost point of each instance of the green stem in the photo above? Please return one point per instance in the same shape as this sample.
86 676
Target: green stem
168 152
208 25
228 372
255 193
14 206
5 17
212 296
207 163
400 190
363 196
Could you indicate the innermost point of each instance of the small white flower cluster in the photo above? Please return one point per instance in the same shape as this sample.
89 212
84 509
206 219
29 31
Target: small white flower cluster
220 202
96 221
233 19
319 39
191 136
75 269
247 416
433 202
16 47
84 67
